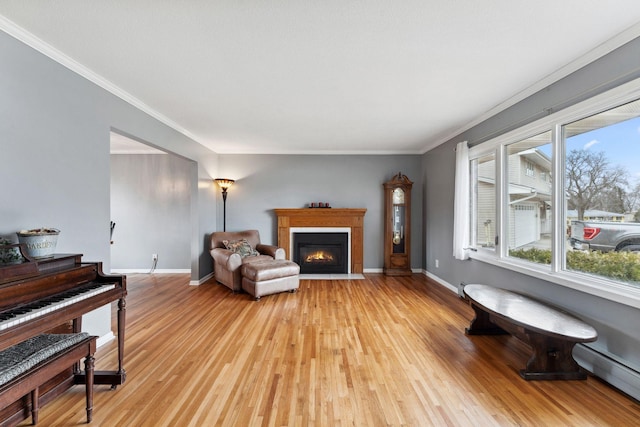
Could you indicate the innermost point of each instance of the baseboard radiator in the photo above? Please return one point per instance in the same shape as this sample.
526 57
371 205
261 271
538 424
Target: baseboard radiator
610 370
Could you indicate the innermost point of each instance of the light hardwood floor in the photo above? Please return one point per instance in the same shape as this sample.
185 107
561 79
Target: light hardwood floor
374 352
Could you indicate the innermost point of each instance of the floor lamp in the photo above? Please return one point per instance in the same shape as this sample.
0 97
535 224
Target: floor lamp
224 183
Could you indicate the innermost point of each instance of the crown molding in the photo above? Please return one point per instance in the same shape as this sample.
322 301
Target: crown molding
46 49
51 52
598 52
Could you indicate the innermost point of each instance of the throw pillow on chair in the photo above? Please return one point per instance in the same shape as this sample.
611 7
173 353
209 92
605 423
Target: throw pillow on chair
241 247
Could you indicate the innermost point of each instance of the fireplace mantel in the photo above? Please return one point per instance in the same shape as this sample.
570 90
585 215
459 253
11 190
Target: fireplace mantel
325 217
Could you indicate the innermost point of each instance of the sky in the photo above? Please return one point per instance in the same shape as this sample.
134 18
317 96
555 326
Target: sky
620 142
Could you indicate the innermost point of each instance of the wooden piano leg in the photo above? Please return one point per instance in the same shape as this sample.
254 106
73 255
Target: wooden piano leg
89 363
77 325
122 309
76 328
112 378
35 405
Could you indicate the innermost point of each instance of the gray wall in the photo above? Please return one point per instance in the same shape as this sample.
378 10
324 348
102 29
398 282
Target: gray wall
150 204
266 182
617 324
54 140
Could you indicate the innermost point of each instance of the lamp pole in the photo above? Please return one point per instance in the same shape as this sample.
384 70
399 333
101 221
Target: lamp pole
224 209
224 183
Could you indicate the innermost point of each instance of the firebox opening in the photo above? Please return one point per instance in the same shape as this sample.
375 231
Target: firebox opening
321 253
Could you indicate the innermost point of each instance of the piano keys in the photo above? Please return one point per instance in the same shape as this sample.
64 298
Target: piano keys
27 312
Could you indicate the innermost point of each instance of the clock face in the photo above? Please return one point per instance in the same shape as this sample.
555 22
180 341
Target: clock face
398 196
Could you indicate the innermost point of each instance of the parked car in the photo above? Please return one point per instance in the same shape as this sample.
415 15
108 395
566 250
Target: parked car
605 236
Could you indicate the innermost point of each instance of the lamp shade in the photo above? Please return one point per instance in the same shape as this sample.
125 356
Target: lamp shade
224 183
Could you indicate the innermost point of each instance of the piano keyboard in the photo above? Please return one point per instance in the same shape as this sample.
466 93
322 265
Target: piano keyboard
39 308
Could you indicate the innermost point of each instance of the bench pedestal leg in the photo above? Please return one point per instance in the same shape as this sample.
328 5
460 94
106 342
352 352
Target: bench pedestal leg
552 359
482 325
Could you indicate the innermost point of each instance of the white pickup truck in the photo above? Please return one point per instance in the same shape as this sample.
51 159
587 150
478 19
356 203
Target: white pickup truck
605 236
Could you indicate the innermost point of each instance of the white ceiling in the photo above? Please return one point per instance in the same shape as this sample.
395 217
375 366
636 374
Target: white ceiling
332 76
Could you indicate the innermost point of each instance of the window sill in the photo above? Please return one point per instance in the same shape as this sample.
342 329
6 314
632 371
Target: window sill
602 288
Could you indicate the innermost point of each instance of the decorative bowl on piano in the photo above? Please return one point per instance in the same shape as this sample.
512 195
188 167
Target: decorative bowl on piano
39 242
9 254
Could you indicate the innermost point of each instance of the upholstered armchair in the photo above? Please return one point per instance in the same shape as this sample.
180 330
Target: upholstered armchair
230 250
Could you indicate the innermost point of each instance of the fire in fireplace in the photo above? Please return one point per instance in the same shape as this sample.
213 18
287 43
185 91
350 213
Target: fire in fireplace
321 253
320 257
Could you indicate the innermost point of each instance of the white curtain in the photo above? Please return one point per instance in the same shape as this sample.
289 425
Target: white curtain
461 203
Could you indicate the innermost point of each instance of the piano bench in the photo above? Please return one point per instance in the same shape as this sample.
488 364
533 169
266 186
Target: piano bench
27 365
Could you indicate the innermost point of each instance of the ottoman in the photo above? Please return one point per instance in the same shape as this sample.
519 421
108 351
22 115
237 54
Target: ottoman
270 277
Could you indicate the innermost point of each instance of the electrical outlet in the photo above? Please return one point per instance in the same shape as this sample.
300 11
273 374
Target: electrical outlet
437 263
154 257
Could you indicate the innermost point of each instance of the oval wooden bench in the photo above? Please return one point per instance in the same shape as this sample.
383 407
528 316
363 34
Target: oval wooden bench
27 365
551 332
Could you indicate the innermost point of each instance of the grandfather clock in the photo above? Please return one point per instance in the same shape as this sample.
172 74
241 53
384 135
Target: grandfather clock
397 226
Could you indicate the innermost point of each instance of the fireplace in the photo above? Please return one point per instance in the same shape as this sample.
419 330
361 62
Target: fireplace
333 220
321 253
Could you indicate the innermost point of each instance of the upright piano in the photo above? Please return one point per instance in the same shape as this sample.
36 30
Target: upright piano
51 295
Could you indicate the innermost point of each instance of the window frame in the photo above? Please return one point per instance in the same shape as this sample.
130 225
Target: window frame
473 176
615 291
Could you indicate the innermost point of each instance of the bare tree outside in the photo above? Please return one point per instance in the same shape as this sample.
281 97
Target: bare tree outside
592 183
633 201
613 200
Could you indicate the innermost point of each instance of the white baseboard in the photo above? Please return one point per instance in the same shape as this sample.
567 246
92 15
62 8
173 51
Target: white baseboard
105 339
147 271
201 280
441 281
